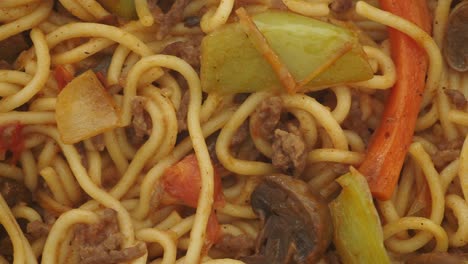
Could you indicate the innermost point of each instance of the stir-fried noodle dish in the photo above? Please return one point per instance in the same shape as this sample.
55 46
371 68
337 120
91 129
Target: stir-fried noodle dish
233 131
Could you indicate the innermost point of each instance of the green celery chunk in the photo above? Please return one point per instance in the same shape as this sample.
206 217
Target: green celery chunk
358 235
122 8
230 63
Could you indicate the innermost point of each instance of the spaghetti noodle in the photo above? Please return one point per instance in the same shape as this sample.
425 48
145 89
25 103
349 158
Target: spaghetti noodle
176 178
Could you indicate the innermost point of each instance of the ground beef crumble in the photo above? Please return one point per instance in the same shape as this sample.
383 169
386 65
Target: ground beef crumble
14 192
100 243
182 111
267 116
448 151
141 122
289 150
355 122
236 246
457 98
171 18
188 50
341 5
37 229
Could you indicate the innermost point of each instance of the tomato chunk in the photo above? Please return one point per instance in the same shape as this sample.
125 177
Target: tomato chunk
63 76
213 231
11 139
102 79
183 182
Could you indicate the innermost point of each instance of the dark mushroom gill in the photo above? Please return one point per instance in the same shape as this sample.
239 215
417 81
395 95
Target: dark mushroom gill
296 222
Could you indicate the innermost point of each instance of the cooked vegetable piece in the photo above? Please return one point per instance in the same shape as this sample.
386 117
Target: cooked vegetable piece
456 38
62 76
389 145
11 139
122 8
230 63
296 222
262 46
358 235
85 109
183 181
213 231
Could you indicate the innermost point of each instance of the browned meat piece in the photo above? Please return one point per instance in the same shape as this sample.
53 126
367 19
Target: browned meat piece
448 151
341 5
236 246
211 146
37 229
450 145
100 243
266 117
457 98
354 121
98 142
111 20
188 50
140 121
241 134
437 258
182 112
443 157
82 151
14 192
275 4
172 17
110 176
98 63
289 151
11 47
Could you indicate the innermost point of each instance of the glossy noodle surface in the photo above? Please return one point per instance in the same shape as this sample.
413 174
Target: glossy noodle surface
233 131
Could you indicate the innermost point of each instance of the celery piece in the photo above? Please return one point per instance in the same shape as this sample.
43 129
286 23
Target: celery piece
230 63
358 235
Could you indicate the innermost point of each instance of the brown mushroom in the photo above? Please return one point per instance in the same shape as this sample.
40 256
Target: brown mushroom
296 222
437 258
456 38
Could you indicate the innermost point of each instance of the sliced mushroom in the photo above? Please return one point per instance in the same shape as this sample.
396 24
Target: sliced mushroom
456 39
438 258
296 222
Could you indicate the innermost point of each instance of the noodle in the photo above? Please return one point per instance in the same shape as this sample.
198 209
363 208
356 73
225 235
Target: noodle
178 175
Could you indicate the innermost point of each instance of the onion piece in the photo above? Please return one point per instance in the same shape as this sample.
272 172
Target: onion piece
85 109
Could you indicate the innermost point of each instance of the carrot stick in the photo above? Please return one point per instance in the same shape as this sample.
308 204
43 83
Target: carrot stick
389 145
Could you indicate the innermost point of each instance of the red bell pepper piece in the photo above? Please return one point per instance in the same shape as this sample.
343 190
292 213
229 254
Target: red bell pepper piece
389 145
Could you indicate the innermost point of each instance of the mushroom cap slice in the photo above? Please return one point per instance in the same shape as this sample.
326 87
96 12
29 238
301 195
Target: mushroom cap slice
456 38
297 225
